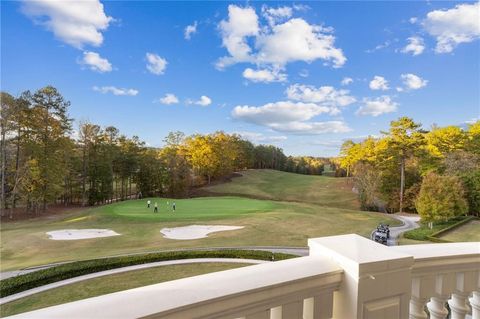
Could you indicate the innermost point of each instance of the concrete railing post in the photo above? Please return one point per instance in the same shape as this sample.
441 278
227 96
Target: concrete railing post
465 283
475 303
377 280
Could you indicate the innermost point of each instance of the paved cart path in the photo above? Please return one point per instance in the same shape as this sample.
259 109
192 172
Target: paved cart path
299 251
65 282
409 223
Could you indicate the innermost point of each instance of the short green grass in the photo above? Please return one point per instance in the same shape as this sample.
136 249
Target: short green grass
467 232
109 284
192 209
277 185
300 207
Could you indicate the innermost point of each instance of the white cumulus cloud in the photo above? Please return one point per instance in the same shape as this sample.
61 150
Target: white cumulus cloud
377 106
452 27
413 82
156 64
264 75
378 83
241 23
297 115
203 101
95 62
289 117
326 96
415 46
275 44
115 91
77 23
278 112
168 99
296 40
346 81
190 30
274 15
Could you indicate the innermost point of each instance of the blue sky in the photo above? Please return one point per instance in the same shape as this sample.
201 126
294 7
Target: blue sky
271 71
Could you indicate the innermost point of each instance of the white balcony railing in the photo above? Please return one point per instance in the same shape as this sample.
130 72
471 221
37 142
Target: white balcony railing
344 277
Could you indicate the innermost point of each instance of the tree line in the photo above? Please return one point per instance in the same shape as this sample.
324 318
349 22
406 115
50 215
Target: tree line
434 172
42 162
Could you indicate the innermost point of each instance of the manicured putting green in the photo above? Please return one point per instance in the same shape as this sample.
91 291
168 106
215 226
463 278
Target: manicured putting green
190 209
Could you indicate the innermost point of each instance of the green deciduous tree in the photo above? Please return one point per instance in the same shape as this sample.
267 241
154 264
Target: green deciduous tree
471 182
473 138
367 180
440 198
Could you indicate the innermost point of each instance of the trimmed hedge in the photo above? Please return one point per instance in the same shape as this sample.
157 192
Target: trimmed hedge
43 277
425 233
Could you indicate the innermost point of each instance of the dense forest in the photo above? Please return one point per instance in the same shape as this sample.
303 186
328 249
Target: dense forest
434 172
43 162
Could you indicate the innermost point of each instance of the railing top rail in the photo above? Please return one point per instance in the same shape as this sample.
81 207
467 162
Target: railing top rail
445 257
207 295
443 250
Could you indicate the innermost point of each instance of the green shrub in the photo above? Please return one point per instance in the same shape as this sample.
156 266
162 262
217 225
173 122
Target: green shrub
42 277
471 181
441 198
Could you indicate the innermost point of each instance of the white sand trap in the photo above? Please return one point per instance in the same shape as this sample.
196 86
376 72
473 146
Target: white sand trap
194 231
74 234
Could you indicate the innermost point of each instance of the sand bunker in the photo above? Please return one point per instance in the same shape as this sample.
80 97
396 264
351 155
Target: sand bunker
74 234
194 231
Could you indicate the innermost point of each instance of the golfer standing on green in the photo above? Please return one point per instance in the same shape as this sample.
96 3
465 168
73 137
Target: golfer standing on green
173 206
155 208
148 203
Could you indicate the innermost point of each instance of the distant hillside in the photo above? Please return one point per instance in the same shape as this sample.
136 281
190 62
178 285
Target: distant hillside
283 186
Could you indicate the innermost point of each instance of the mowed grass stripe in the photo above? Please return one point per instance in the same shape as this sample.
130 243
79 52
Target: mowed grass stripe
283 186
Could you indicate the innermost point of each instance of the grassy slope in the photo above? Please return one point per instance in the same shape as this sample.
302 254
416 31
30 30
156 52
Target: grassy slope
275 223
109 284
467 232
276 185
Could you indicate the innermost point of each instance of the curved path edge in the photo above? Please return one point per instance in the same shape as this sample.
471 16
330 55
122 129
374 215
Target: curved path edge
65 282
299 251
